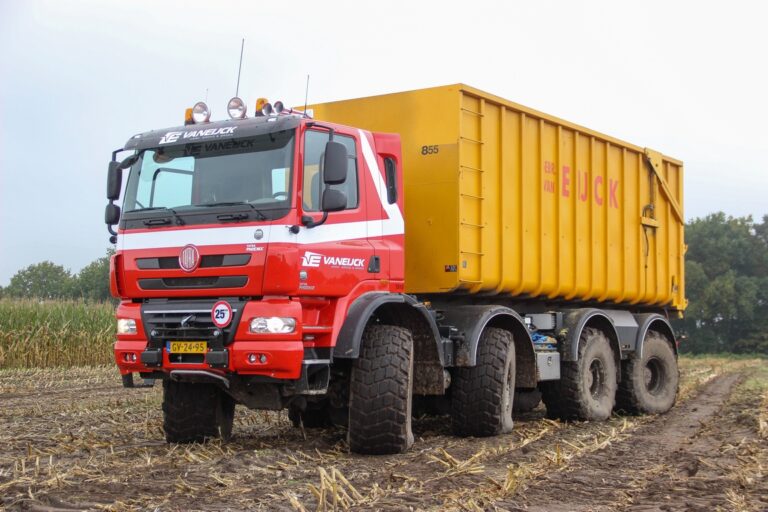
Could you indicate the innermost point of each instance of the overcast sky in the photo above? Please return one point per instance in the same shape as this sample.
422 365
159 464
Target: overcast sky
77 79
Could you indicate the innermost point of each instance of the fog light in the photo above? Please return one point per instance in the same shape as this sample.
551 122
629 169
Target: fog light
126 326
262 358
252 358
272 325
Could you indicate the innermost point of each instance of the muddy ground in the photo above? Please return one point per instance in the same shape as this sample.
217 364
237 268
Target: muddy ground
76 439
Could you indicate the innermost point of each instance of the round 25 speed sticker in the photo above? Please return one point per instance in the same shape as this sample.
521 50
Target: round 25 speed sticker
221 314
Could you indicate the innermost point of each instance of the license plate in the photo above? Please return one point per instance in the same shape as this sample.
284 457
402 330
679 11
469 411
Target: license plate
187 347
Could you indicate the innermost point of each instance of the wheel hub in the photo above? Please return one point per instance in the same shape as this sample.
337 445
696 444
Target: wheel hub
595 378
653 375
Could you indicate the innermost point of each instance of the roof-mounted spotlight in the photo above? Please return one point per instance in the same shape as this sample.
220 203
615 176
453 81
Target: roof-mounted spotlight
236 108
201 113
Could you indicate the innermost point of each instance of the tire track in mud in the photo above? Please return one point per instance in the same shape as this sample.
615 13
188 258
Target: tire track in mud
113 454
637 469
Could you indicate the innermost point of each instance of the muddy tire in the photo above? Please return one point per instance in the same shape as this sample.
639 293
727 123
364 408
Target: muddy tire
194 412
526 401
381 387
649 384
482 395
587 387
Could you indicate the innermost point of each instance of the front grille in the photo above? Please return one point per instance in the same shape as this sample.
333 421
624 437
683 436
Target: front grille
210 261
187 321
170 283
167 325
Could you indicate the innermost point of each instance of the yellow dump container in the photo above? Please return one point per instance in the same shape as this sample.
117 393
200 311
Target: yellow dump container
503 200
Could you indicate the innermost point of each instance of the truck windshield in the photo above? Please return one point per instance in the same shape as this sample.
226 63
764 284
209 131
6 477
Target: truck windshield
255 170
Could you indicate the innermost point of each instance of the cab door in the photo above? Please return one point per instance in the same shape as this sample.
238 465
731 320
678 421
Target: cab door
335 255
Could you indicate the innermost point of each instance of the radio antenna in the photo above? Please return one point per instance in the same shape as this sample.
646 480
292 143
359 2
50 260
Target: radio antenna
240 67
306 96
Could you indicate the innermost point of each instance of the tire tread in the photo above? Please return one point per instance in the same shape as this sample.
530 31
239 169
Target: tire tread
380 392
477 391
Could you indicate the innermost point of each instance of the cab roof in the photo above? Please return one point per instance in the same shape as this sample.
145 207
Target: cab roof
215 130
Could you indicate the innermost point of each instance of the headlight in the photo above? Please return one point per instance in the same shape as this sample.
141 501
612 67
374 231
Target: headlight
201 113
236 108
126 326
272 325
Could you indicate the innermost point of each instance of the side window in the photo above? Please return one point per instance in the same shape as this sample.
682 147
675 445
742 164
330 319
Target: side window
390 170
314 148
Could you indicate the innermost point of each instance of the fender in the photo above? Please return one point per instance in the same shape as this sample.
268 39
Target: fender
366 306
574 323
656 322
471 321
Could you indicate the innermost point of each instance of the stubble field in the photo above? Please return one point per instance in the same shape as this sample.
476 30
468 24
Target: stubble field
75 439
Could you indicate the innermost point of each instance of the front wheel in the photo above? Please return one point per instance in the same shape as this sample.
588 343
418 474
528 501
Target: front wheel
381 387
195 412
649 383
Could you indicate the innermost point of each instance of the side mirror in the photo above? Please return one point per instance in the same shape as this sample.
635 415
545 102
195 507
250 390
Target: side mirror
114 180
115 176
111 214
333 200
335 163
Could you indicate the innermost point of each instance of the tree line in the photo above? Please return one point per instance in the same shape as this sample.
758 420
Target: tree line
47 280
726 279
726 284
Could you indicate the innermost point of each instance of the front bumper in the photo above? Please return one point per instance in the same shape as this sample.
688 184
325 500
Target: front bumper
283 359
232 349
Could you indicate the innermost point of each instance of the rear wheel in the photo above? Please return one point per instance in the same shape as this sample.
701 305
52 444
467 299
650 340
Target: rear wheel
587 387
194 412
649 383
381 385
482 395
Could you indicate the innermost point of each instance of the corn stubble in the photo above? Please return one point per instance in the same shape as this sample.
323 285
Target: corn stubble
73 437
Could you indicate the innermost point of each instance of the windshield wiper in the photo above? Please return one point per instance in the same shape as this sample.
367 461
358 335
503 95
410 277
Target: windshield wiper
152 222
235 203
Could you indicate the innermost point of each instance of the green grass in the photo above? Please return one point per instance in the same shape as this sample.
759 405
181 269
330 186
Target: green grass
45 334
